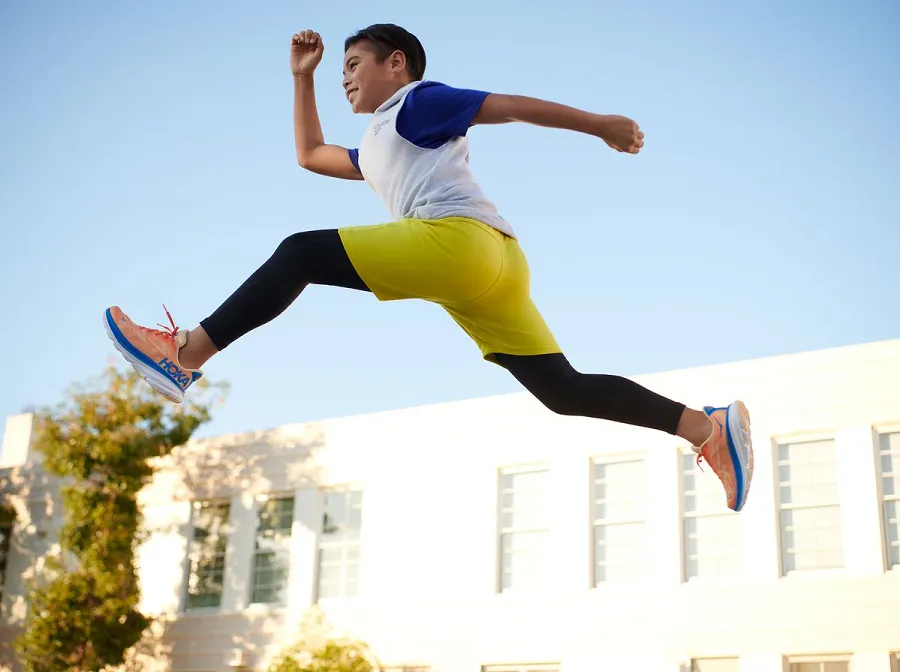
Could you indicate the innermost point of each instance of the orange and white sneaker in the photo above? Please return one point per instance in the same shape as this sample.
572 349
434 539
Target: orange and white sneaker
153 353
729 451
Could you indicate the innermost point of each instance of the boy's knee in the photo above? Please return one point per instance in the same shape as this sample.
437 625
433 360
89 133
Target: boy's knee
294 242
557 403
559 393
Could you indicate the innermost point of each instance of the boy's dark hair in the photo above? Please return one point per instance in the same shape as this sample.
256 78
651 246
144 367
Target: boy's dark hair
387 38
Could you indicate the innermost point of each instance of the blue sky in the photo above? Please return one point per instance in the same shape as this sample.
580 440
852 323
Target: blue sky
146 156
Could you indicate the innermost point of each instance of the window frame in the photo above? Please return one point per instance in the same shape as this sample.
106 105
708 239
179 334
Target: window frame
197 504
819 658
878 432
684 515
8 528
322 544
606 459
694 661
797 439
522 667
501 531
259 501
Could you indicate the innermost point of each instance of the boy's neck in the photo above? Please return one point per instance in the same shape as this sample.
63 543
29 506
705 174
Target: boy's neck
392 91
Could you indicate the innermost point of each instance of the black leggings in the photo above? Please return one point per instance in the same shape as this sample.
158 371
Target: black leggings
319 258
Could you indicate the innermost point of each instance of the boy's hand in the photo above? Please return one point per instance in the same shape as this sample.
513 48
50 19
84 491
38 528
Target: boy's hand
306 53
620 133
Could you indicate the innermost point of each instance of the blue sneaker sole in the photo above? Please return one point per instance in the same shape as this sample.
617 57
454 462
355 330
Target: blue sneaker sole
740 448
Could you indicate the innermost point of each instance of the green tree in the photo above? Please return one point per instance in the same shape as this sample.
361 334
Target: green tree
332 656
320 650
100 441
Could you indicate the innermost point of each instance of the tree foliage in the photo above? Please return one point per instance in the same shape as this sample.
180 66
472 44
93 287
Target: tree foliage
101 442
332 656
319 649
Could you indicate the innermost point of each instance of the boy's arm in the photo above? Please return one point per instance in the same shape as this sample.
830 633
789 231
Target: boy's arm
620 133
312 152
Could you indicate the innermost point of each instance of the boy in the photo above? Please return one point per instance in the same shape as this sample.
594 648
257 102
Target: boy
447 244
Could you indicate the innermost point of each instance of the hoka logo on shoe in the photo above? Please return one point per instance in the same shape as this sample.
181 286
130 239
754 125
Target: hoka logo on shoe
176 373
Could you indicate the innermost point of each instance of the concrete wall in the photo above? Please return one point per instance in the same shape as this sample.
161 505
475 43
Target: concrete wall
428 577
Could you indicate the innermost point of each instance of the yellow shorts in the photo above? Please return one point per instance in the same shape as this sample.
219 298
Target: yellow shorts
477 274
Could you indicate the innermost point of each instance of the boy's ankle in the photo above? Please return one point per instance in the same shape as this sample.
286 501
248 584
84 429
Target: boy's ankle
195 349
184 354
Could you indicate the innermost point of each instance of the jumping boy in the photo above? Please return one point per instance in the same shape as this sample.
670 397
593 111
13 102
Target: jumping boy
447 244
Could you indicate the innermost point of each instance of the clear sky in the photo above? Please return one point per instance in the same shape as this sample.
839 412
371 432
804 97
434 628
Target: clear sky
146 156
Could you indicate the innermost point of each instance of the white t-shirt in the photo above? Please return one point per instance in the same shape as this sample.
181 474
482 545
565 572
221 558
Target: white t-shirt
415 155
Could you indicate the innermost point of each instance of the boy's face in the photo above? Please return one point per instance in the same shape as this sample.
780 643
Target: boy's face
368 83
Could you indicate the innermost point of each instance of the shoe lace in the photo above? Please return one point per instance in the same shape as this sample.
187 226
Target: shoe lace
173 330
168 332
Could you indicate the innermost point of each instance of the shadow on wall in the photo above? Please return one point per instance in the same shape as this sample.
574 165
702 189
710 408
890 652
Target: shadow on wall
29 523
315 643
210 469
232 471
256 462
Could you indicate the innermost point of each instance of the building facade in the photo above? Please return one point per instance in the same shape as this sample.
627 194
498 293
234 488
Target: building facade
490 535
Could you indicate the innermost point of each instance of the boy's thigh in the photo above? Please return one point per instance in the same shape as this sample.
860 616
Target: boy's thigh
513 327
448 261
505 320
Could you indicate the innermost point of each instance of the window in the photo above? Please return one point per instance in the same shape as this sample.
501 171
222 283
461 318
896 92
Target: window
6 530
272 554
819 665
339 544
809 509
207 554
711 531
889 463
536 667
524 528
715 665
620 546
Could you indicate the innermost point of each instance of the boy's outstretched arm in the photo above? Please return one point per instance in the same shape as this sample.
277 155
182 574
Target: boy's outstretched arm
312 152
620 133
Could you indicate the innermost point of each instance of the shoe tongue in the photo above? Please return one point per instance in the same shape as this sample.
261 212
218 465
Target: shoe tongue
181 338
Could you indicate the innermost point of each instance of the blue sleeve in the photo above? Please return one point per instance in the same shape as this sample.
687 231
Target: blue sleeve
434 113
354 157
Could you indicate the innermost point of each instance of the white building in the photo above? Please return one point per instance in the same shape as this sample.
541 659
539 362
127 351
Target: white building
492 535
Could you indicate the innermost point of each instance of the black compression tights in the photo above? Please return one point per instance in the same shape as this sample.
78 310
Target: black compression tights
318 258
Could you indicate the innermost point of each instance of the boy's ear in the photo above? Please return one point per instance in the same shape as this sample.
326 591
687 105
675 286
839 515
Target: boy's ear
398 60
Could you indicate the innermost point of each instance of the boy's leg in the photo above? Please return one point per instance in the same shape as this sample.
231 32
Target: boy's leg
307 258
509 330
719 435
169 360
397 260
562 389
